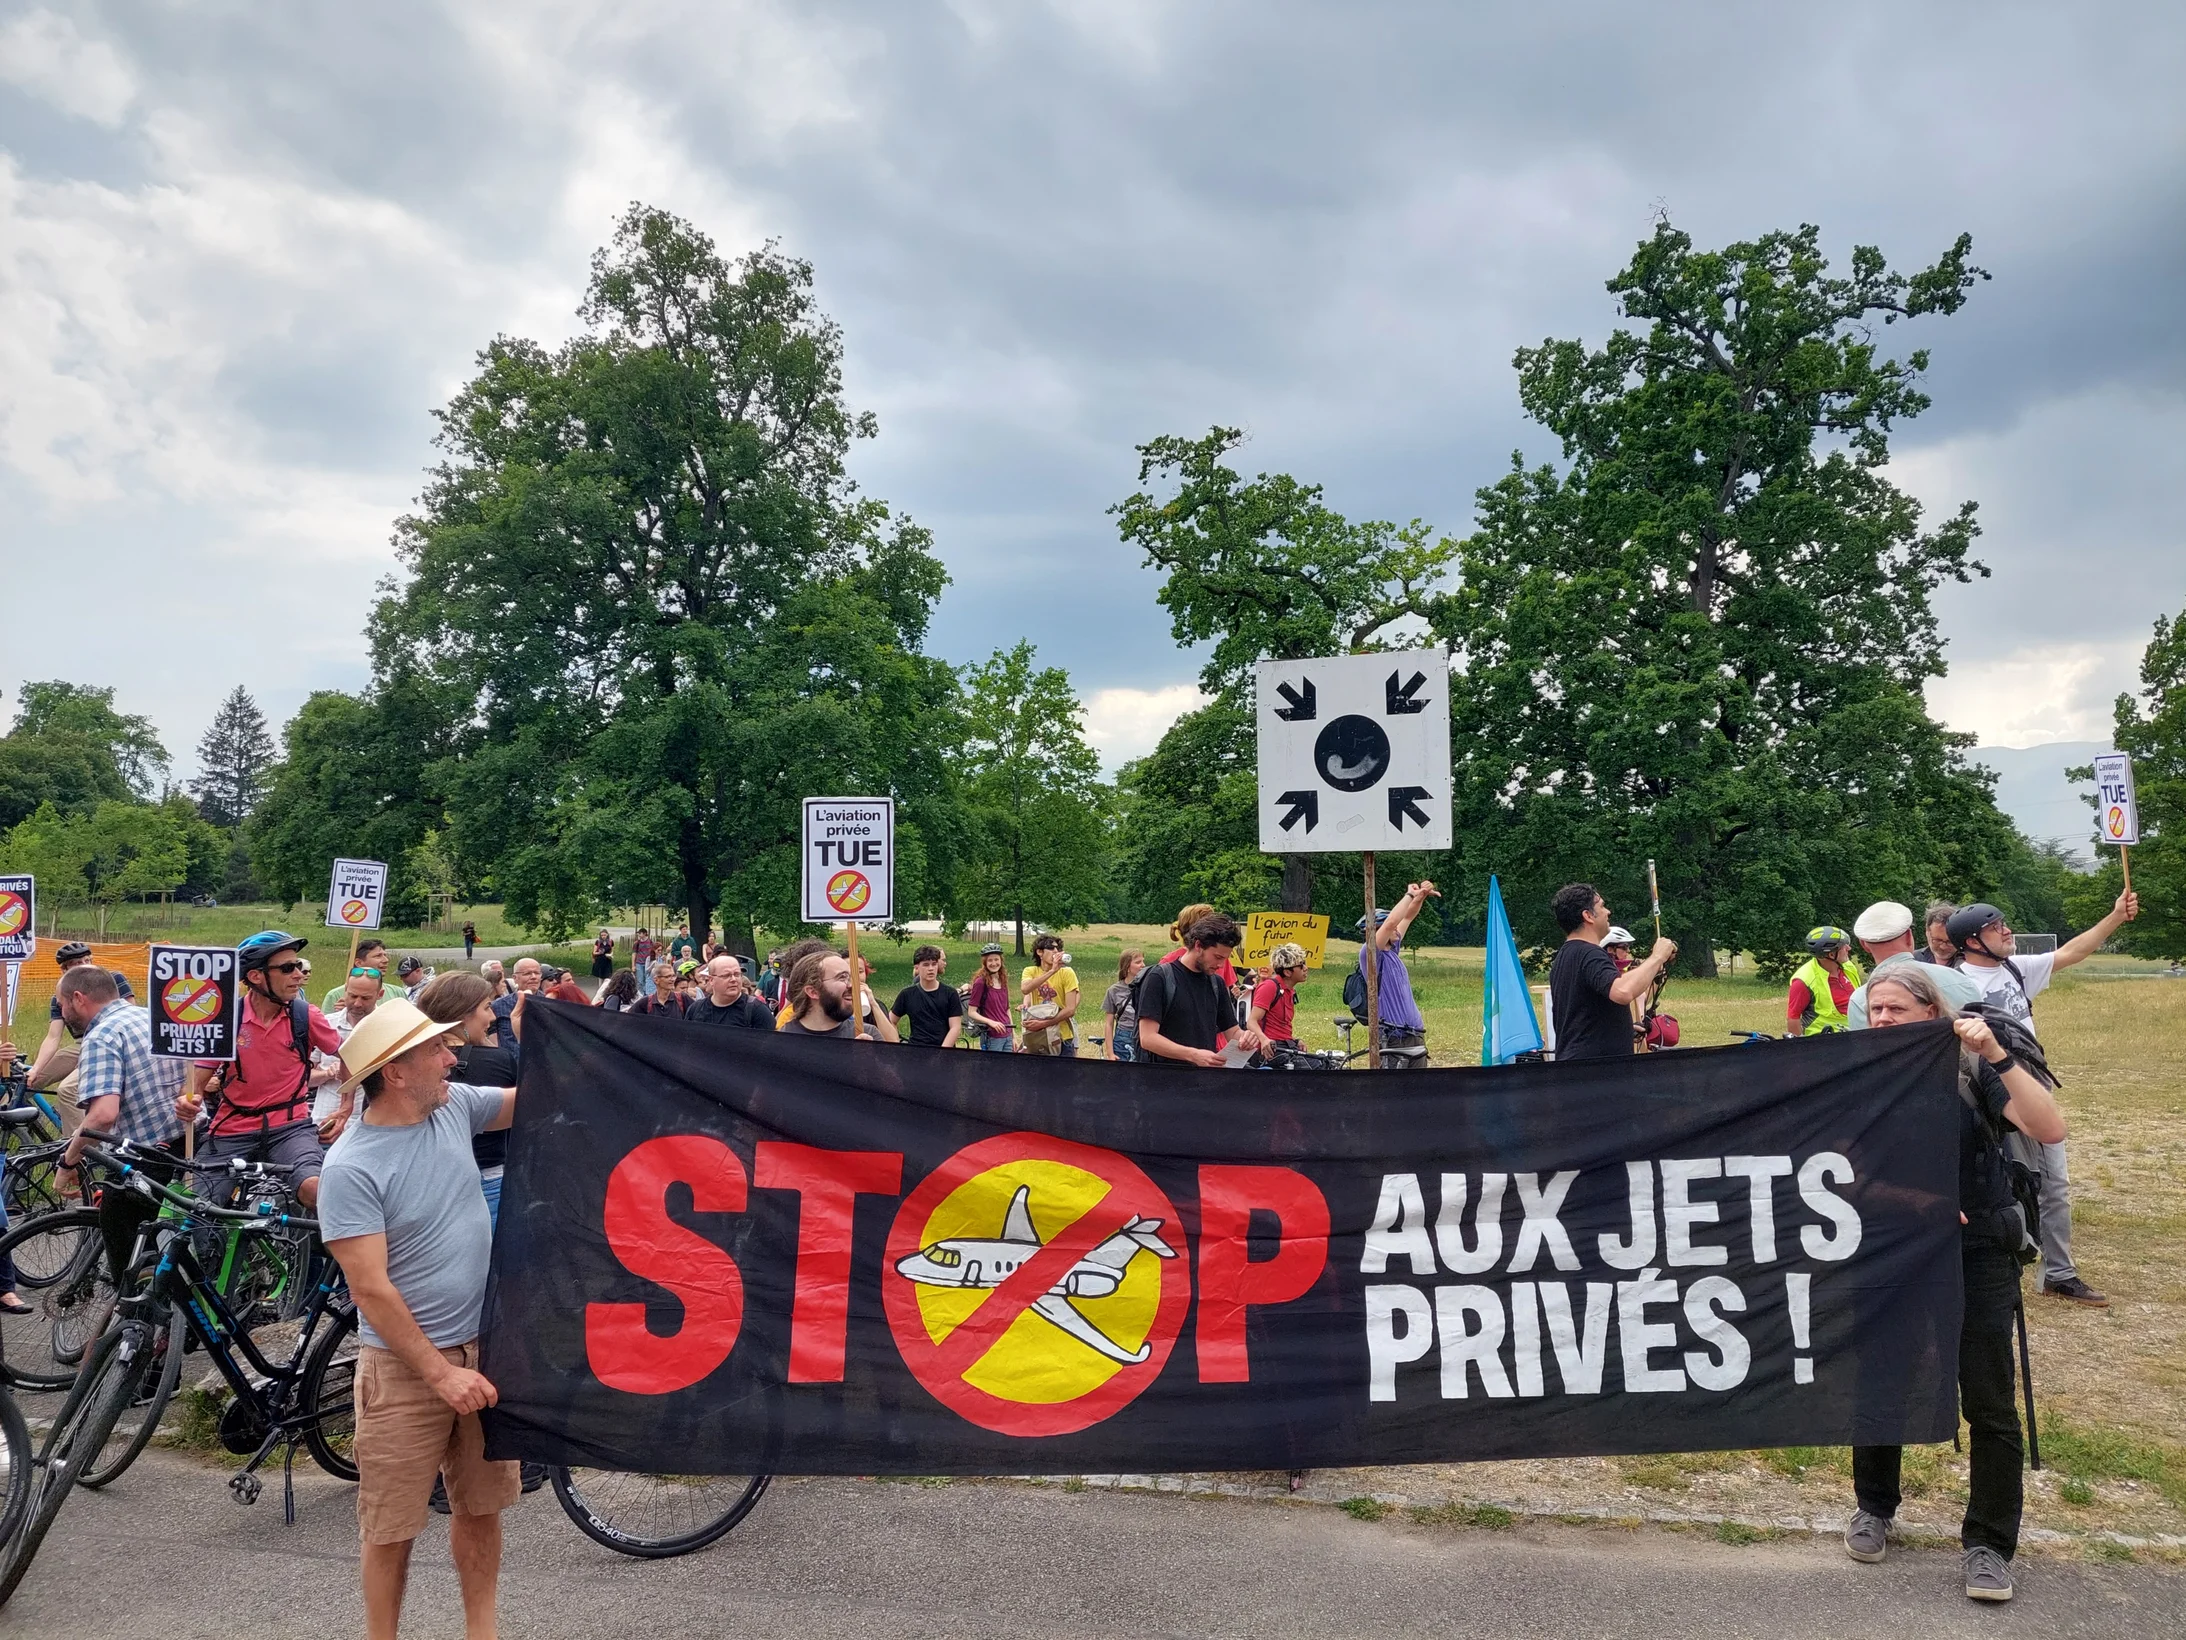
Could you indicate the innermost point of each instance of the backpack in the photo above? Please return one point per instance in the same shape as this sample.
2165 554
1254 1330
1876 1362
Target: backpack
1354 988
299 1030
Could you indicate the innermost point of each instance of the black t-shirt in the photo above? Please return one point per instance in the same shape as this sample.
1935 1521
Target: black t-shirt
746 1012
929 1012
1192 1010
797 1027
1588 1024
488 1067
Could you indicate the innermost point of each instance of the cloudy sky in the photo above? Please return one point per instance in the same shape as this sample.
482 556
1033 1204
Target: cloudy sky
244 250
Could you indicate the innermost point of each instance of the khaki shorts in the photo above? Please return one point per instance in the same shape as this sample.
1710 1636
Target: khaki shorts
406 1434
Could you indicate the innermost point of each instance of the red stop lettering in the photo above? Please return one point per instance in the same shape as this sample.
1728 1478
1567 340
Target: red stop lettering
1229 1279
828 1183
623 1352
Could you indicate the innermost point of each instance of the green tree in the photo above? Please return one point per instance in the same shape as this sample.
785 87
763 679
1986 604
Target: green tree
653 612
1188 827
1704 640
1267 571
1031 790
50 845
74 714
351 784
2152 730
236 755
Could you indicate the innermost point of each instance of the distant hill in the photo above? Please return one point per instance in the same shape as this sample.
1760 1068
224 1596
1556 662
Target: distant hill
2031 787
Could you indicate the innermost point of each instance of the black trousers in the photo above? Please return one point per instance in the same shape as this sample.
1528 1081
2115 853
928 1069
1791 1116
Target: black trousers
1986 1384
122 1213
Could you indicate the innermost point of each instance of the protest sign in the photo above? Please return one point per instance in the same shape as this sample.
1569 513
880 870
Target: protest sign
850 859
1265 930
2118 810
356 894
195 995
1354 752
810 1256
18 918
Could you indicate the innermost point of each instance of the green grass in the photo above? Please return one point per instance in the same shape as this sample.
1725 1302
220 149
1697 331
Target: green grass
1489 1516
2083 1453
1366 1508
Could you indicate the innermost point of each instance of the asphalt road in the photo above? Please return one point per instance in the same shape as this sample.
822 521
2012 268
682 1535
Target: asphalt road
165 1552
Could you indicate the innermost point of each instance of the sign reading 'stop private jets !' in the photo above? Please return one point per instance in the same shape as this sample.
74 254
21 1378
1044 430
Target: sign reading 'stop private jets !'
1355 753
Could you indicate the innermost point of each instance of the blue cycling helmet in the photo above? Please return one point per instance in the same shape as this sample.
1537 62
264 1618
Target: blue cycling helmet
260 949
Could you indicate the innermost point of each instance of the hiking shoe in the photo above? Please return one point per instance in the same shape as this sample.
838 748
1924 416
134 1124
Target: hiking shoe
2077 1291
1865 1536
1988 1575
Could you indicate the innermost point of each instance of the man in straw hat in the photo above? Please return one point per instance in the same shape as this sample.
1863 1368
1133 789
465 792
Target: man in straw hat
400 1209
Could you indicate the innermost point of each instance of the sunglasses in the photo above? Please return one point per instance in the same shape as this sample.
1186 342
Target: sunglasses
374 972
288 967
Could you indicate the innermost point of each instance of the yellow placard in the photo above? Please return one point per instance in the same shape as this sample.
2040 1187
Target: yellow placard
1265 930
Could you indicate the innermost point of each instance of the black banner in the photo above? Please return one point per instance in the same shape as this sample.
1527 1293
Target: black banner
195 993
722 1251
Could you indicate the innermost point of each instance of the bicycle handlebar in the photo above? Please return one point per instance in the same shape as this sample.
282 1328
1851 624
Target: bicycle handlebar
136 1178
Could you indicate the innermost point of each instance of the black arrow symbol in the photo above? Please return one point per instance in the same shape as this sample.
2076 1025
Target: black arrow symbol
1405 699
1307 804
1302 705
1404 800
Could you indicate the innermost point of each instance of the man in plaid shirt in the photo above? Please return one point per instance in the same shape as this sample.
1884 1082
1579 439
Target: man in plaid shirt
124 1091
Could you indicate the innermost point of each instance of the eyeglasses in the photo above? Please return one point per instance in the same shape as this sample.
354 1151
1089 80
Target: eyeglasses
374 972
298 967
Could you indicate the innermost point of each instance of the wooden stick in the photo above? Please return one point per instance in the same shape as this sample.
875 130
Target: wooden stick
1655 893
1371 956
857 981
2125 859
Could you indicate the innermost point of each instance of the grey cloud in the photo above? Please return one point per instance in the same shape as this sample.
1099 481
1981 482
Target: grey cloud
1053 232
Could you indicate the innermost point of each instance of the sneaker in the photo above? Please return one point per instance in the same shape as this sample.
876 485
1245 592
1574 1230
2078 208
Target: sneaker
1988 1575
2076 1291
1865 1536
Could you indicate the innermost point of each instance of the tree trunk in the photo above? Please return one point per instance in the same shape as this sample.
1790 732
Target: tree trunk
1020 931
1297 882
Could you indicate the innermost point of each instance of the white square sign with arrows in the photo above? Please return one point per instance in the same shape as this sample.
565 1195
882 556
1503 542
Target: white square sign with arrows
1355 753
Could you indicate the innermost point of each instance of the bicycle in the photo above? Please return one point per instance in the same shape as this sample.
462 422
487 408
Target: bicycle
1407 1056
30 1146
304 1400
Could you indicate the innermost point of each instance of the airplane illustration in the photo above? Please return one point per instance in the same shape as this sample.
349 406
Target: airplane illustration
964 1261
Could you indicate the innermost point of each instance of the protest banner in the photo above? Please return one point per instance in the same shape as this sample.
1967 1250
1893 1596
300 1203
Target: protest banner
850 859
806 1256
2117 809
356 894
18 918
195 993
1265 930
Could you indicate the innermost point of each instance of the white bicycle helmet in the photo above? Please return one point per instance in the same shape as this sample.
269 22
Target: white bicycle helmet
1618 936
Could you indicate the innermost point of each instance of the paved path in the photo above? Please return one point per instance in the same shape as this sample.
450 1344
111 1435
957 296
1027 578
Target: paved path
165 1553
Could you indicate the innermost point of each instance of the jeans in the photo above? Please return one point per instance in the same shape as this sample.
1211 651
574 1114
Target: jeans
995 1044
2056 1227
489 1180
1070 1047
1985 1388
1124 1045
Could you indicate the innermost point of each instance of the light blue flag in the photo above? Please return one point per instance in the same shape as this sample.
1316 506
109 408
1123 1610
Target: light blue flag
1508 1026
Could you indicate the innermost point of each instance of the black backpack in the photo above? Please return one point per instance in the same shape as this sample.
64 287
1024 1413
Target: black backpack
2024 1183
1354 992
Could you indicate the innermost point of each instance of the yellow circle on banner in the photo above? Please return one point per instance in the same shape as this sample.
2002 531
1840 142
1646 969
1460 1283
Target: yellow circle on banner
354 912
849 892
191 1001
1034 1361
2117 821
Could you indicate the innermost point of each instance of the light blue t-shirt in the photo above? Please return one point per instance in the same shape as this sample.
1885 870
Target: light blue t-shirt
418 1186
1959 990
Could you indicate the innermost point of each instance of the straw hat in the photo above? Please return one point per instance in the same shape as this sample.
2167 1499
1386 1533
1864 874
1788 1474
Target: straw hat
387 1032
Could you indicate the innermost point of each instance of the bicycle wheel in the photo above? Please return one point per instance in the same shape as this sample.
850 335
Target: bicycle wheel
655 1516
60 1271
330 1379
15 1456
159 1370
32 1185
103 1390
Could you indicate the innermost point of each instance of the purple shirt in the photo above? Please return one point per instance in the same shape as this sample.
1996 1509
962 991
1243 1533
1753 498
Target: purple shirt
1394 991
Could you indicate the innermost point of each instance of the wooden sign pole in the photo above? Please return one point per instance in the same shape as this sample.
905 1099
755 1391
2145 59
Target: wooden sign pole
1370 956
857 980
2125 860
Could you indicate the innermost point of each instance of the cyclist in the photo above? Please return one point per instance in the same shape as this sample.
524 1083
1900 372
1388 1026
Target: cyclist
1273 1010
262 1099
1821 991
72 955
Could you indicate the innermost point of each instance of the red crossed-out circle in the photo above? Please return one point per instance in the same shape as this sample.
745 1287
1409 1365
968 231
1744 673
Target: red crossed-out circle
849 891
941 1367
191 1001
2117 822
14 912
355 911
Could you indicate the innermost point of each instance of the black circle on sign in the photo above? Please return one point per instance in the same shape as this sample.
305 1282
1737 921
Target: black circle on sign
1351 753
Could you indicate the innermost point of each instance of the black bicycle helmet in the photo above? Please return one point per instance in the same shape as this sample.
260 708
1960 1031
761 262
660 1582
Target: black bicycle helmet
1825 940
260 949
1969 924
73 951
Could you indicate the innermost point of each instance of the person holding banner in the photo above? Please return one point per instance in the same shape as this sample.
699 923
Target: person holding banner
1997 1095
819 987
